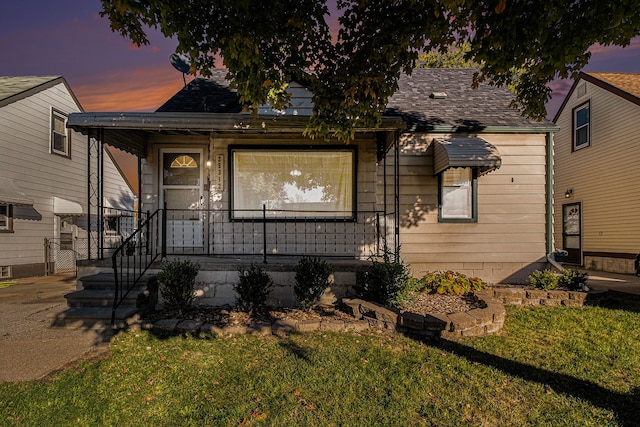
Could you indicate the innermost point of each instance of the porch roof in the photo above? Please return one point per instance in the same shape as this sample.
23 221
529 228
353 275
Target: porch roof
129 131
465 152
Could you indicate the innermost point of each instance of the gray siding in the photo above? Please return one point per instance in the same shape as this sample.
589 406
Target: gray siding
41 175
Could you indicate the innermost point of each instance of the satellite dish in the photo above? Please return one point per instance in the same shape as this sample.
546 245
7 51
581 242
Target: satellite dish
181 63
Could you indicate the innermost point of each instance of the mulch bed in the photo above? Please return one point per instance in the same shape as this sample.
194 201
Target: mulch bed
228 316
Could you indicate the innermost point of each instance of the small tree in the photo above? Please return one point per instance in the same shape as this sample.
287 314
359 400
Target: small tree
177 280
312 278
253 288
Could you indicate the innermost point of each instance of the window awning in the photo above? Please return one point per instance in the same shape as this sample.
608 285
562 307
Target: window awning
65 207
465 153
10 194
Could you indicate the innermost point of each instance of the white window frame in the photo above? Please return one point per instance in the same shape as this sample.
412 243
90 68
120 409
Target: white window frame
6 215
5 272
576 128
471 186
66 149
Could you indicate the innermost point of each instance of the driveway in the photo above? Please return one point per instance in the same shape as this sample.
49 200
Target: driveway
29 348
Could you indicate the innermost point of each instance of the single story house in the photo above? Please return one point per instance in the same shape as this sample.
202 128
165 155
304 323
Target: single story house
452 179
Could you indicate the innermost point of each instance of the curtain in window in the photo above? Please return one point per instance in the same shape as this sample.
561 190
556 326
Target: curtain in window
303 183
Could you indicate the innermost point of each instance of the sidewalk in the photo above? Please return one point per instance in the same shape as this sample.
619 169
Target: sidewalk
29 348
601 280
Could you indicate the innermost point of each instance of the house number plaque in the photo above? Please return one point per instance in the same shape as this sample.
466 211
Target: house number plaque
219 173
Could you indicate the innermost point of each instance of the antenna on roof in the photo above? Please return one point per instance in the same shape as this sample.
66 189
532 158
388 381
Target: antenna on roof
181 63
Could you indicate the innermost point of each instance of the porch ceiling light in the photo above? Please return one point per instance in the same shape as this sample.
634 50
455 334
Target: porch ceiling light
295 172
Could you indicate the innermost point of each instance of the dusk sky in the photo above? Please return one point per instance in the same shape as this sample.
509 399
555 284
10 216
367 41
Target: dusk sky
109 73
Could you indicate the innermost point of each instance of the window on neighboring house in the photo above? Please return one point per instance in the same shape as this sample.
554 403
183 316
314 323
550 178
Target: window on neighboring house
5 272
293 182
112 225
60 138
582 126
6 217
457 195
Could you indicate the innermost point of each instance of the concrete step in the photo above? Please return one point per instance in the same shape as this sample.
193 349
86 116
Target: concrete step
100 297
94 317
107 281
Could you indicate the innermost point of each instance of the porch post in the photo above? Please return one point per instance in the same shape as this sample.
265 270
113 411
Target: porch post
264 234
396 206
139 191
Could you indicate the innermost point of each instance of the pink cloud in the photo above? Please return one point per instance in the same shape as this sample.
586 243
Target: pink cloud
127 90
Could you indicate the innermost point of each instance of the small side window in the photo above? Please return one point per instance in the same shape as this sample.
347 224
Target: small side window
6 218
582 126
60 139
457 194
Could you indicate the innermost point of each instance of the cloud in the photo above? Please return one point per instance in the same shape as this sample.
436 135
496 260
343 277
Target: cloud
128 90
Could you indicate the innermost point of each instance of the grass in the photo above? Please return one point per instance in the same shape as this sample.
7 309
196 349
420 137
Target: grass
7 284
551 367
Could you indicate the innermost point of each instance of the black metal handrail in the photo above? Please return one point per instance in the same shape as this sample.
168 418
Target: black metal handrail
133 258
266 232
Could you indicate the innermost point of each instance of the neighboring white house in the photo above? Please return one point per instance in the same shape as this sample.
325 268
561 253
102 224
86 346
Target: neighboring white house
44 180
597 172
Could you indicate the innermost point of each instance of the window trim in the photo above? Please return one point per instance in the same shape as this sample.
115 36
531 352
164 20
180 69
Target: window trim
574 112
59 114
296 148
474 199
9 215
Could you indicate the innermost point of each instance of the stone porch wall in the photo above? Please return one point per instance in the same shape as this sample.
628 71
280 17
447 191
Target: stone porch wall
610 264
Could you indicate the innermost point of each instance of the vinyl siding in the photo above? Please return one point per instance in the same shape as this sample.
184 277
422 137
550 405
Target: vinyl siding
339 235
507 242
41 175
604 176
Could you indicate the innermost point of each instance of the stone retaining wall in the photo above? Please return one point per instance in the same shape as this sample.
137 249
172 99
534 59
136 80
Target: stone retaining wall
368 315
534 297
473 323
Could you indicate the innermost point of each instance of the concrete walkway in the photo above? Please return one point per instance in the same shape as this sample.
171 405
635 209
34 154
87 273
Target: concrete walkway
601 280
29 348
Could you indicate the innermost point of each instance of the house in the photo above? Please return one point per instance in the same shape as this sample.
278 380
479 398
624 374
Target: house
597 195
44 213
452 179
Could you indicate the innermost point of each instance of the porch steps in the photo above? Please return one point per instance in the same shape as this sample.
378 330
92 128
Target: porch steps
91 306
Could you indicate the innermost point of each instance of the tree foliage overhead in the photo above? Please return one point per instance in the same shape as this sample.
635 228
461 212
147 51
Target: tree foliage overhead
266 44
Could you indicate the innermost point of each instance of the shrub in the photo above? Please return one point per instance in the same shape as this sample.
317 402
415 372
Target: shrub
450 283
177 279
572 279
546 280
312 278
387 282
253 288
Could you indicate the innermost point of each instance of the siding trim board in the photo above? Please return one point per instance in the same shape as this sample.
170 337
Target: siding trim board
620 255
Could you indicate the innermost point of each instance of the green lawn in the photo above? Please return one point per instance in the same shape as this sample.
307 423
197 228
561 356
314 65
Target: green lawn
550 367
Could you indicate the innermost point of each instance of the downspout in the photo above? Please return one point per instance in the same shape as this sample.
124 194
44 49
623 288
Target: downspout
551 253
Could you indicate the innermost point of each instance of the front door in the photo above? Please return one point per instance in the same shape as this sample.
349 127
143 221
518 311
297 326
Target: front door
182 178
572 232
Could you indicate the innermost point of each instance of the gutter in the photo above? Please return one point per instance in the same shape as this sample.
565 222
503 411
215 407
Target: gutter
551 254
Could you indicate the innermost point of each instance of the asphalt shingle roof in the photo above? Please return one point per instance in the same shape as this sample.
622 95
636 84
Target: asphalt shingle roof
464 108
211 95
11 86
629 83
